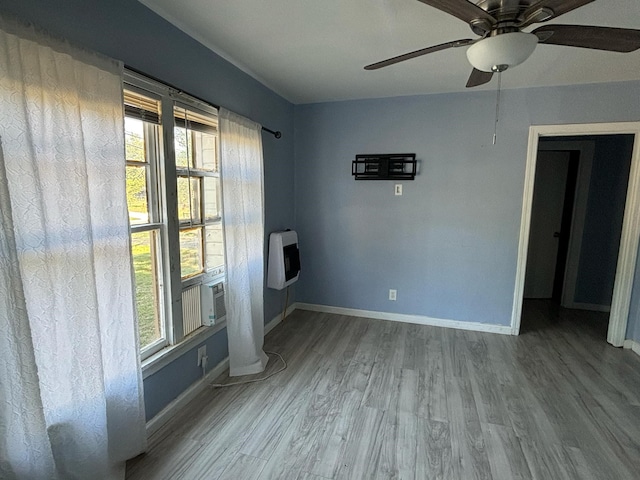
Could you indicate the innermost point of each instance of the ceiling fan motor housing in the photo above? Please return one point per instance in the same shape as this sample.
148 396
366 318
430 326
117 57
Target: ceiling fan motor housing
499 52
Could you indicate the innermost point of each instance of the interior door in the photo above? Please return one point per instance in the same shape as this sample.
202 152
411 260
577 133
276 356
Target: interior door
546 220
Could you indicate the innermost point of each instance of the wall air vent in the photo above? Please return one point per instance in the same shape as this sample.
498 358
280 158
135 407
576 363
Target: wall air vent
390 166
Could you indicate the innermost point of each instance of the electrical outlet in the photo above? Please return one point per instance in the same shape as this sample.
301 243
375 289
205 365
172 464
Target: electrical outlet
393 294
398 189
202 352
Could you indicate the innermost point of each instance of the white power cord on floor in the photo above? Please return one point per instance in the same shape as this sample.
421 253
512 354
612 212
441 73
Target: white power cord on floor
286 305
284 367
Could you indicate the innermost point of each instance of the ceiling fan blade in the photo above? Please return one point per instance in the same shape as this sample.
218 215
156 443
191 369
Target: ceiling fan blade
478 77
547 9
418 53
465 11
585 36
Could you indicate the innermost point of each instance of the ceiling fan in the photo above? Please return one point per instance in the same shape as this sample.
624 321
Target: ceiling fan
503 44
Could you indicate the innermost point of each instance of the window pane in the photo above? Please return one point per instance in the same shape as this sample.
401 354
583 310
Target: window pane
137 200
205 151
191 252
145 264
184 147
189 200
211 211
214 246
134 140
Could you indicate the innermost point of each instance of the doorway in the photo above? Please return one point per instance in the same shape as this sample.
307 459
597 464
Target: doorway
625 265
551 220
576 156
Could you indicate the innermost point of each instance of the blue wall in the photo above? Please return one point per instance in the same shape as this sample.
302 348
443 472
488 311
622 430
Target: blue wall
161 387
449 244
128 31
633 326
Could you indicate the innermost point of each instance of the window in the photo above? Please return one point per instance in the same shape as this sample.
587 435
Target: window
198 180
173 195
142 150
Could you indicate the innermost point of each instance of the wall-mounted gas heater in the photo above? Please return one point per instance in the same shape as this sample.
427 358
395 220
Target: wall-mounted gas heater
213 308
284 259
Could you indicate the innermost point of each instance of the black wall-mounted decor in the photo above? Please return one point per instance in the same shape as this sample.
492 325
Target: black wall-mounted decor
388 166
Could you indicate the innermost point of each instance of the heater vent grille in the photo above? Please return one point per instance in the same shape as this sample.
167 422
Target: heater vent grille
191 312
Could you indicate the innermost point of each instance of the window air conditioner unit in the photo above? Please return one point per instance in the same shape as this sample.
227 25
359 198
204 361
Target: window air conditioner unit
214 310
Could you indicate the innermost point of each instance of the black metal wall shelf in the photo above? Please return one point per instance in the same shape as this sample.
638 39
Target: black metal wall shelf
389 166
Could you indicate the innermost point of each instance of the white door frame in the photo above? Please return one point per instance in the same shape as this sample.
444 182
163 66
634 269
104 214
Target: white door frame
630 226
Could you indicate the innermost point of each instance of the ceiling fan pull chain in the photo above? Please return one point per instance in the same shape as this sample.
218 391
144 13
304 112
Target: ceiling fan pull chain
495 125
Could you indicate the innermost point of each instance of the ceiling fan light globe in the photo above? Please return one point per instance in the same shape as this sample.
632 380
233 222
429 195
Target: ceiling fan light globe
508 49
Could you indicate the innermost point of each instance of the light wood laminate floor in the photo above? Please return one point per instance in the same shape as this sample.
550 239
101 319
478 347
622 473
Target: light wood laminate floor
371 399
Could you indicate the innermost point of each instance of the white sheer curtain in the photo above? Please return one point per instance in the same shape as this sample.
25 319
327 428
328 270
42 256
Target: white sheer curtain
243 203
71 404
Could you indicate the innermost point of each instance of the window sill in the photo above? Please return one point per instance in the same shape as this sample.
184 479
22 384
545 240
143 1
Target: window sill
167 355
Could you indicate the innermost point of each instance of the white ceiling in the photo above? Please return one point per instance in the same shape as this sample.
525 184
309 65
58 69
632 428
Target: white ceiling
315 50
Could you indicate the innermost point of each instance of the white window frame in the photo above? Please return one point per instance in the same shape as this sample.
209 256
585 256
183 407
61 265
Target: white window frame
164 180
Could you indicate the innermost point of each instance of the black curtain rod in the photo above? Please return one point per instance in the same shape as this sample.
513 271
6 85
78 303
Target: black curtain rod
276 133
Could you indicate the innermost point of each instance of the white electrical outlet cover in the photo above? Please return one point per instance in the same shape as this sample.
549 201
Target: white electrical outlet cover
202 352
398 189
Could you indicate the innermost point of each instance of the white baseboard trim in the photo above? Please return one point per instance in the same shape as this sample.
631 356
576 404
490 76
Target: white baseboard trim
589 306
190 393
632 345
417 319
